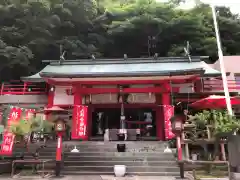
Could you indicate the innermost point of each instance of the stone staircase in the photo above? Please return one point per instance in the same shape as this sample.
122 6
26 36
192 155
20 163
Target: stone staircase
94 157
141 158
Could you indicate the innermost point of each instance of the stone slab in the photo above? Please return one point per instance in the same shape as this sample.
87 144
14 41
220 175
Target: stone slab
103 177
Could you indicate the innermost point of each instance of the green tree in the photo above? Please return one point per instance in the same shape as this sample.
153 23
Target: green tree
33 30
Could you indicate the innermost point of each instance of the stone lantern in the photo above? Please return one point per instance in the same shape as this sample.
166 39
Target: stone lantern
177 128
60 125
177 125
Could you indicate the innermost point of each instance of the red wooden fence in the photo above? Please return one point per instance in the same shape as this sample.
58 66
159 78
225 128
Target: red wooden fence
217 85
20 88
23 88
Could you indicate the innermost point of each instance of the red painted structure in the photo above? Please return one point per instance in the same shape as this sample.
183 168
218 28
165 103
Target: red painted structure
24 88
166 86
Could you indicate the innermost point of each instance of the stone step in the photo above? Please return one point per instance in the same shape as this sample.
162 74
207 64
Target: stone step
119 154
126 163
129 168
117 158
174 174
113 143
108 145
107 158
97 150
100 143
122 154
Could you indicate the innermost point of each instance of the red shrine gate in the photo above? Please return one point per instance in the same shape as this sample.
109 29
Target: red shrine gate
161 105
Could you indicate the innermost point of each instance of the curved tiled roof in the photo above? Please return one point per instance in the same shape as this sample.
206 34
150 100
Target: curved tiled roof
143 67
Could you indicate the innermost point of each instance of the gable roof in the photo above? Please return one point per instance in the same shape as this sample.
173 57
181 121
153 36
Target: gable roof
122 67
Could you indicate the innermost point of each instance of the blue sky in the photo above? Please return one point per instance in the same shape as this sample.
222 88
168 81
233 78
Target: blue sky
233 4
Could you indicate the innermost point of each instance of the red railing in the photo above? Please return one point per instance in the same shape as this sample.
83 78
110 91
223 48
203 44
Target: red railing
217 85
20 88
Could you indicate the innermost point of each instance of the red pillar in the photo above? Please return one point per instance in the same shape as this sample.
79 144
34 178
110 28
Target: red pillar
89 124
50 104
77 100
59 147
77 96
159 122
58 154
161 100
51 97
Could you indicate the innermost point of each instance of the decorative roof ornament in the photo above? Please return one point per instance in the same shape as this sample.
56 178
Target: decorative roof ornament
187 51
62 54
62 57
93 57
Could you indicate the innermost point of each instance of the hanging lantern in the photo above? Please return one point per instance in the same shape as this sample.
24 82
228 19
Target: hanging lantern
52 89
88 99
177 124
120 99
110 96
149 95
69 92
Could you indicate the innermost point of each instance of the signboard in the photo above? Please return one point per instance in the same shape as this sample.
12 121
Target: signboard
168 111
7 145
8 137
14 115
79 126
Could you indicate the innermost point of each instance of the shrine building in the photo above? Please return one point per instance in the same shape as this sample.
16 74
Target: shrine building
141 92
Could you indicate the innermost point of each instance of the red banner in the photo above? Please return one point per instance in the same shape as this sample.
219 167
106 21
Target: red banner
168 113
8 138
7 144
14 115
79 126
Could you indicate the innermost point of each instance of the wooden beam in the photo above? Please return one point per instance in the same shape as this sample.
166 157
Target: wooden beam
121 82
128 90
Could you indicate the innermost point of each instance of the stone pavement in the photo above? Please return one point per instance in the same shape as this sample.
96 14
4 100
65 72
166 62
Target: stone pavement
105 177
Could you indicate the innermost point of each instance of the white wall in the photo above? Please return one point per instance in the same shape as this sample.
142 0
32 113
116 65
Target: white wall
185 88
61 97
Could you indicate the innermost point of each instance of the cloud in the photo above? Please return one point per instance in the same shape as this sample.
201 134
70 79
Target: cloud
233 4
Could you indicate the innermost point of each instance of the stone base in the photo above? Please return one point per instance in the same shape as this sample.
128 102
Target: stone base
235 176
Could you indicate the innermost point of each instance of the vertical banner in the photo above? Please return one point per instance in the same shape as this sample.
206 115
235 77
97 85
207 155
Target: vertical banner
8 138
168 111
79 125
7 145
14 115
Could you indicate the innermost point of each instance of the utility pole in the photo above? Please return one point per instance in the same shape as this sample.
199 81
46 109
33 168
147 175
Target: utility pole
220 55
